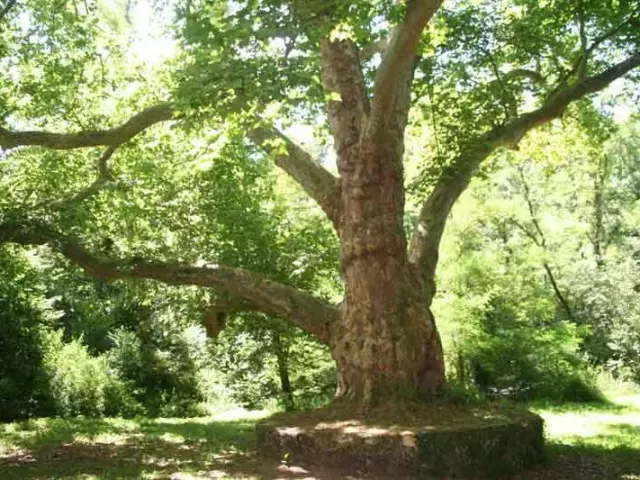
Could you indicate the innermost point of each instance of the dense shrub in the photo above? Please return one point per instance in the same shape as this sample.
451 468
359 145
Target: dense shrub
164 364
504 335
81 384
23 312
613 341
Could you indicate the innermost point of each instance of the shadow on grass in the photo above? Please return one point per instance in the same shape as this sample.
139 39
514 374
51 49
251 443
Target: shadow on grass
180 449
113 448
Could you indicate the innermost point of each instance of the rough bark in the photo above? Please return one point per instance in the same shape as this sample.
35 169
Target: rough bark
385 342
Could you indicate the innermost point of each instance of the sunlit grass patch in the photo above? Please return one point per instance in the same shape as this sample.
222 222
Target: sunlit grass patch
604 434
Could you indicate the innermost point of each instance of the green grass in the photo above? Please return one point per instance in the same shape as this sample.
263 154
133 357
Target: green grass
594 440
118 448
597 441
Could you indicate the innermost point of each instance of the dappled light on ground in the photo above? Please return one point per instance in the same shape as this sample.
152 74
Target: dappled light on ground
585 441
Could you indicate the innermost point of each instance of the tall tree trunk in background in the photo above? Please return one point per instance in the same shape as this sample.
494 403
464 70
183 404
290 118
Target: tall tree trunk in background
598 233
282 359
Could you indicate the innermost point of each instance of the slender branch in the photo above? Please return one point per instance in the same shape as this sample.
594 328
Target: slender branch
313 178
559 295
581 65
610 34
599 183
532 213
508 101
316 181
90 138
541 241
398 57
104 178
526 231
270 297
425 241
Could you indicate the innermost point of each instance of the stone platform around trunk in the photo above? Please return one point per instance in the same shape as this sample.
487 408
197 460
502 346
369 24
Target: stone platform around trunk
419 439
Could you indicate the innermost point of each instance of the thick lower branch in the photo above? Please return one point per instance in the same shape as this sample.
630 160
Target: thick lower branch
270 297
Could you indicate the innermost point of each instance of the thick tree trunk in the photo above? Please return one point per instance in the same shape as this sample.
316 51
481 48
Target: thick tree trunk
386 355
385 344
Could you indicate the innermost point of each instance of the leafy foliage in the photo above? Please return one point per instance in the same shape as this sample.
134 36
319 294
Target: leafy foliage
23 314
538 250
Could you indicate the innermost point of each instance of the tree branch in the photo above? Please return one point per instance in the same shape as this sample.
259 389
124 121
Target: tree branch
91 138
532 213
347 101
610 34
425 241
532 236
315 180
508 101
542 243
555 106
398 57
523 72
104 178
270 297
370 50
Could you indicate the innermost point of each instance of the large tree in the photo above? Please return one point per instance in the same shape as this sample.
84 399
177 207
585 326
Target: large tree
480 73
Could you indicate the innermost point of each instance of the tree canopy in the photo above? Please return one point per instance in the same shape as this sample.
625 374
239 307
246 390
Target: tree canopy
136 167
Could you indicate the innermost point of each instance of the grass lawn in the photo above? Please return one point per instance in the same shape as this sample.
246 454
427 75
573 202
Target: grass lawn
592 441
584 441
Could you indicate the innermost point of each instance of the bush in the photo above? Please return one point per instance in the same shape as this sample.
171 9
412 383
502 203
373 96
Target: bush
23 312
504 335
163 366
84 385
